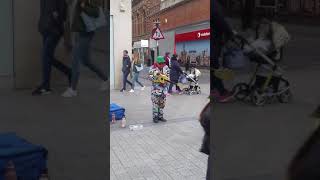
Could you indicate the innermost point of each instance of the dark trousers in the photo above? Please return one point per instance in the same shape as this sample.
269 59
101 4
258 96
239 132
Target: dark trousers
209 175
125 80
171 86
50 42
216 83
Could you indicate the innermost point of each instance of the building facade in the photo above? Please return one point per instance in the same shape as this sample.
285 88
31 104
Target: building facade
185 25
120 38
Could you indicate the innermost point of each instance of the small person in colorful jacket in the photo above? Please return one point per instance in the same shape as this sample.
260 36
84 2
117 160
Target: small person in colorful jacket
159 75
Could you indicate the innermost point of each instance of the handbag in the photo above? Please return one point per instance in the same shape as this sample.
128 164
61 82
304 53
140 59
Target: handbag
139 68
92 23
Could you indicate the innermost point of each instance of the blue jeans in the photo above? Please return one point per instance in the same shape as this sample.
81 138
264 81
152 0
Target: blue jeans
81 54
125 80
50 42
135 79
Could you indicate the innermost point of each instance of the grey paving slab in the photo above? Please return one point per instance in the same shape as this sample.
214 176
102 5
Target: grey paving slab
73 130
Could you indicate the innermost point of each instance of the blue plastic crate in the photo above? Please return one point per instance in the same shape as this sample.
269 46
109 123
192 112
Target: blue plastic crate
29 159
117 110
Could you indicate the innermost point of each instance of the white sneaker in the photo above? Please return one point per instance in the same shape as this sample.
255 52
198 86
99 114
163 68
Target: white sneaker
142 89
131 91
104 86
69 93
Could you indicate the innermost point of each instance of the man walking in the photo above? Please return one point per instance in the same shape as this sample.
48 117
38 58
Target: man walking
126 68
51 26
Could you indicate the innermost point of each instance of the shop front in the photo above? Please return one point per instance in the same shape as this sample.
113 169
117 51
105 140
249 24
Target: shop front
142 48
194 47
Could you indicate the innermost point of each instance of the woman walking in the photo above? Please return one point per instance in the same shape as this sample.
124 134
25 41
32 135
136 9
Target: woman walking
137 67
175 72
81 49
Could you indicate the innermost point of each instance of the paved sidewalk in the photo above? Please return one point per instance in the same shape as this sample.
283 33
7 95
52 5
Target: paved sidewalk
158 152
161 151
73 130
257 143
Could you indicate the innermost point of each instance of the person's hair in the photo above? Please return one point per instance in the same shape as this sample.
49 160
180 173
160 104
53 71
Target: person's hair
125 51
136 57
306 163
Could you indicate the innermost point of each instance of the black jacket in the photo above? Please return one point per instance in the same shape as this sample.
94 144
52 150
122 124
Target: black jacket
205 123
221 26
126 64
175 70
47 22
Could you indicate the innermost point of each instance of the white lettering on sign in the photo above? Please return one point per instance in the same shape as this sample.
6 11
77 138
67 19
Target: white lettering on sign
204 34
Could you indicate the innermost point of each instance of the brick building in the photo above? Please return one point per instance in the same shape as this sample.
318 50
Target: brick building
185 25
142 11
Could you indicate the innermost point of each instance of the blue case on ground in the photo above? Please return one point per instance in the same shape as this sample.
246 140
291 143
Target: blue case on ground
117 110
29 160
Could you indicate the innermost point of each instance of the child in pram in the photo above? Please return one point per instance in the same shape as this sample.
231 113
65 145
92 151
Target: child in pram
266 51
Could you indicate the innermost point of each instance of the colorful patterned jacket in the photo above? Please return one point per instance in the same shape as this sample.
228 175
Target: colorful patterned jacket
158 76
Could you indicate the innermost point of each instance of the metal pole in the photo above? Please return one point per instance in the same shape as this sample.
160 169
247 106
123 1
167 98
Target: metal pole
158 53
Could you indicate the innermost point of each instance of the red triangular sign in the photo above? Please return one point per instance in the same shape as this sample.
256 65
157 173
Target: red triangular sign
157 34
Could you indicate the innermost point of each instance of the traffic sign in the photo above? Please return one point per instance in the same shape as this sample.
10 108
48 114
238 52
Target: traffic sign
157 34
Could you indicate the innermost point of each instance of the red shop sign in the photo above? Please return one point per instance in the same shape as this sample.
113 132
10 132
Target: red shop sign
193 36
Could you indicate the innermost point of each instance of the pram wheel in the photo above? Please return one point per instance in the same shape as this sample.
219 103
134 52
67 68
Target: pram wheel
241 91
258 98
285 97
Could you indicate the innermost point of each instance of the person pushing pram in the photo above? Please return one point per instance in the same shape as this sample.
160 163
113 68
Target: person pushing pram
265 49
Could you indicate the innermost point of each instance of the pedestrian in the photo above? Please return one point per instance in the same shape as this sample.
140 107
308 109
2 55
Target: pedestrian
188 63
137 68
126 69
51 27
175 73
81 48
306 163
205 148
159 75
167 58
222 32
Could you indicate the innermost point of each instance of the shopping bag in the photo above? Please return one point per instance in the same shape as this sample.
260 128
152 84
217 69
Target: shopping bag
92 23
139 68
